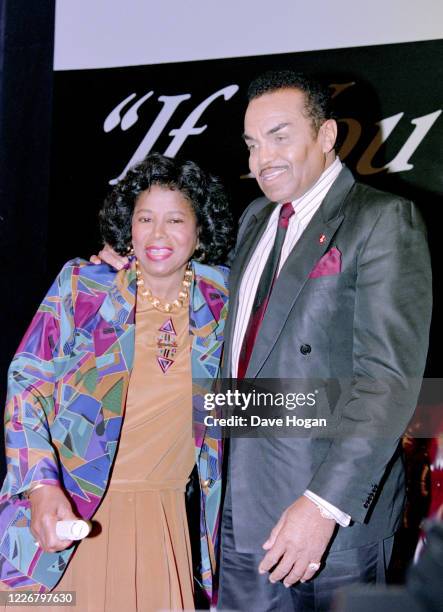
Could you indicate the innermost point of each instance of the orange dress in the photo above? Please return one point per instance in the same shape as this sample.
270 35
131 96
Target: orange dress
141 559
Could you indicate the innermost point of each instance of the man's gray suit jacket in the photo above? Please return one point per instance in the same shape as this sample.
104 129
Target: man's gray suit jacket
367 326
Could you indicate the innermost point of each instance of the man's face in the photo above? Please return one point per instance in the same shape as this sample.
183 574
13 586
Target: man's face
285 155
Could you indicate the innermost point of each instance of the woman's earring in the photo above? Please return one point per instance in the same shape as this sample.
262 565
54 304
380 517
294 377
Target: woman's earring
199 253
130 251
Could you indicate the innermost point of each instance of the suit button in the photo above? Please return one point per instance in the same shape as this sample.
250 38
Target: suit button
366 505
305 349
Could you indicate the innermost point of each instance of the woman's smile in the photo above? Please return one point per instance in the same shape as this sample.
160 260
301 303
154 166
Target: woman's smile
158 253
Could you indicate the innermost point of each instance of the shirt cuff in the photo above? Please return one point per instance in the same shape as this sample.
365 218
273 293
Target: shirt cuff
328 510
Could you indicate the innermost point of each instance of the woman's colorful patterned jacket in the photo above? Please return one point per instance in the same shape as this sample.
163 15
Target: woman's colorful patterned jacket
66 398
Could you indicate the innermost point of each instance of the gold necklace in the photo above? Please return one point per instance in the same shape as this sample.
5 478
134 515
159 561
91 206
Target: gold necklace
155 301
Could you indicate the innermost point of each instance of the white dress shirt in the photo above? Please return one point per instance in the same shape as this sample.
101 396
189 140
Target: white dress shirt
304 209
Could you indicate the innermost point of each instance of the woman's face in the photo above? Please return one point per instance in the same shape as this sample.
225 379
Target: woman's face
164 232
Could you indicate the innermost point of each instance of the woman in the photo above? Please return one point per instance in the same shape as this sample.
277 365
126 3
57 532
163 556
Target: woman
100 396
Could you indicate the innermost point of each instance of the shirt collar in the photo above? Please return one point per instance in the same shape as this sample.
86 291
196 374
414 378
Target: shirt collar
321 186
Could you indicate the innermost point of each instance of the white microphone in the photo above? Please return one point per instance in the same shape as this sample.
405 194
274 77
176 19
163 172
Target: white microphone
72 530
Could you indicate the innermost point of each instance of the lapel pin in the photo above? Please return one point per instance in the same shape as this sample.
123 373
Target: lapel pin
322 238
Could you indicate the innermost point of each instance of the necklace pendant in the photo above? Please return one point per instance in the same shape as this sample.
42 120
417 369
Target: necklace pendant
166 345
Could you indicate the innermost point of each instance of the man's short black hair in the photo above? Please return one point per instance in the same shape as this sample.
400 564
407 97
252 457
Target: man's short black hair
317 96
204 192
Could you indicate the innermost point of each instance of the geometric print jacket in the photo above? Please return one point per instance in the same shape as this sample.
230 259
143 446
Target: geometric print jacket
67 388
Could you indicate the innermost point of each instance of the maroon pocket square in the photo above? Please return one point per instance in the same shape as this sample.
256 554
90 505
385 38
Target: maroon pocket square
328 265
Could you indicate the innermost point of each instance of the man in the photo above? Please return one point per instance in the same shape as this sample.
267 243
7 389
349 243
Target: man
350 300
330 280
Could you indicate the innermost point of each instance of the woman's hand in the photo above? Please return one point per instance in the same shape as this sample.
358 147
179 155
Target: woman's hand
49 504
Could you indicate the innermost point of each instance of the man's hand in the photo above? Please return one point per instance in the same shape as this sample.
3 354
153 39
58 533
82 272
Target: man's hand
299 538
109 256
48 505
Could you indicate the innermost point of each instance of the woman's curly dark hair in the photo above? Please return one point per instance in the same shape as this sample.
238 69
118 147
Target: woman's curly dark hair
204 192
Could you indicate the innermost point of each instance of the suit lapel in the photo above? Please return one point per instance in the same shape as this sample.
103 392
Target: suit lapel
288 285
256 227
312 245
